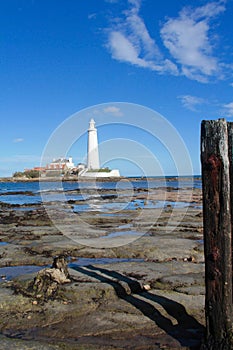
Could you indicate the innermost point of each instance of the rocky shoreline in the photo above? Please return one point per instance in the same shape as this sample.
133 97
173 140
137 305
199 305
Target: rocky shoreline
155 301
83 179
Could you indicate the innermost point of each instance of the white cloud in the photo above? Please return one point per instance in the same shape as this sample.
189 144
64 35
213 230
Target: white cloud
191 102
125 50
206 11
189 39
136 4
129 41
112 1
228 109
92 15
19 139
113 110
189 42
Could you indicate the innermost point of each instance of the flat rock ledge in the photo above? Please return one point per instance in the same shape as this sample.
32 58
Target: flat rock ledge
154 303
146 305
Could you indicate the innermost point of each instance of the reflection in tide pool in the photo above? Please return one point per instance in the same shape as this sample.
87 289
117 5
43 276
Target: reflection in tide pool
20 199
123 233
10 272
133 205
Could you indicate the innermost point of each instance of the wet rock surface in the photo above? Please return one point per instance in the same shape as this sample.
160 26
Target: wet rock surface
156 302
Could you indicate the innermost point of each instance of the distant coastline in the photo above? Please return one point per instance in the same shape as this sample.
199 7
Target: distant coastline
79 179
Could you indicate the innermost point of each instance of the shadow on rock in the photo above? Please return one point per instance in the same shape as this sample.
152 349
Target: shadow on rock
188 331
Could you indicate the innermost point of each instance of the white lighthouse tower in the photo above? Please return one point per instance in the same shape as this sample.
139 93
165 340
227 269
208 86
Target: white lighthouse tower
92 147
93 170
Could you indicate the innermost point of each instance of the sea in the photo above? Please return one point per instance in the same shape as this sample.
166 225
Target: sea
33 192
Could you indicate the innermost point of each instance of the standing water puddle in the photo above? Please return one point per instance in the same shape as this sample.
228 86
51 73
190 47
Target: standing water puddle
132 205
10 272
123 233
3 243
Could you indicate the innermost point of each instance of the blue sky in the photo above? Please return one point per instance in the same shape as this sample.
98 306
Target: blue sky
59 57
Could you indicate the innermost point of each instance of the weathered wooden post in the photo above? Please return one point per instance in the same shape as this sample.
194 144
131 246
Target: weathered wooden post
230 151
217 233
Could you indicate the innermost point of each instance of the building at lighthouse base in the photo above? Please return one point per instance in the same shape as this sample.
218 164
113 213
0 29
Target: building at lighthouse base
99 173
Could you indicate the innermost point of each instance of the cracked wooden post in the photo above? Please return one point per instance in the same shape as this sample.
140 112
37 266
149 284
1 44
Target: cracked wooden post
217 233
230 152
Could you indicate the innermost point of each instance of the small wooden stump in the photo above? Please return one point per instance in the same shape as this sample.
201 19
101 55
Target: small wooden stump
48 280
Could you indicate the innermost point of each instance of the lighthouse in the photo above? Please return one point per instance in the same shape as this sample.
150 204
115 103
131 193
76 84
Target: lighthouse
92 170
92 147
